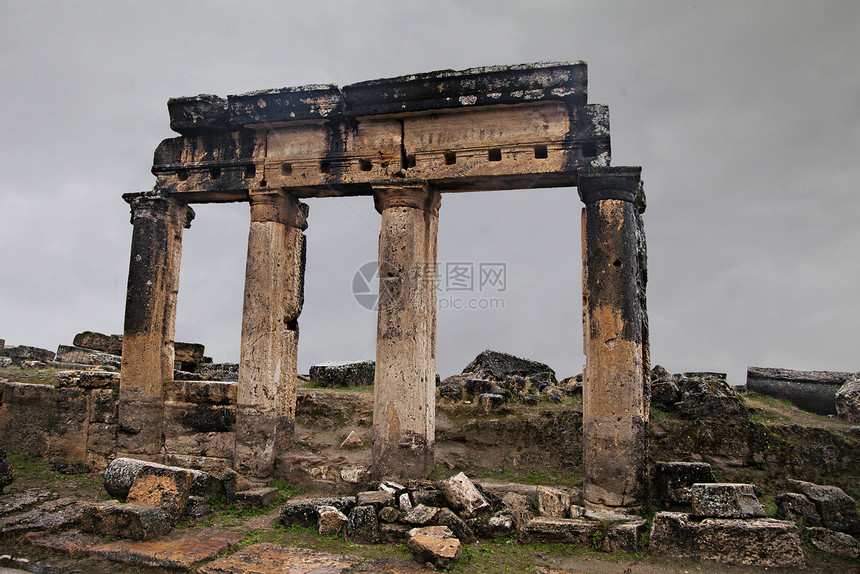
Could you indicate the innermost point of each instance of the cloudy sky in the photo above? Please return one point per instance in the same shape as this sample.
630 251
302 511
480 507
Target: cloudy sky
745 116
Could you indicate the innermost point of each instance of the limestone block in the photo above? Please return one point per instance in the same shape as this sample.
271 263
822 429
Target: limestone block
165 488
303 512
796 507
519 507
428 497
97 379
362 526
27 416
675 480
814 391
188 352
389 514
624 537
101 438
462 494
120 474
99 342
134 521
393 533
59 514
200 417
553 502
833 542
355 474
460 529
256 497
103 406
848 400
211 465
565 530
346 374
420 515
761 542
23 353
434 544
267 558
404 503
19 501
838 511
726 500
330 520
376 498
72 354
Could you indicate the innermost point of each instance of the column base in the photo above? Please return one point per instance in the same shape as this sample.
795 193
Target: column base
260 438
140 427
412 457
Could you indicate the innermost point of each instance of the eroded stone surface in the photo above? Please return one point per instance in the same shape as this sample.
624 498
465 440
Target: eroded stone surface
553 502
566 530
12 503
726 500
275 559
348 374
362 526
833 542
256 497
134 521
796 507
675 480
303 512
166 489
330 520
837 510
51 516
847 400
462 494
434 544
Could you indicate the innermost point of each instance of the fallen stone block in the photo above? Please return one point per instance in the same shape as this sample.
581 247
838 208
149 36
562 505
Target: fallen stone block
303 512
461 530
796 507
420 515
375 498
346 374
59 514
832 542
72 354
434 544
71 541
847 400
566 530
520 508
133 521
23 353
121 472
675 480
837 510
355 474
389 514
726 500
813 391
19 501
97 379
271 559
330 520
708 396
553 502
428 497
166 488
393 533
197 508
624 537
179 550
759 542
188 353
362 526
99 342
256 497
462 495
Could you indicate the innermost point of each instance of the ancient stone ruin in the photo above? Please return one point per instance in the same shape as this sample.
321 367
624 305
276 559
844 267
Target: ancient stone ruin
404 141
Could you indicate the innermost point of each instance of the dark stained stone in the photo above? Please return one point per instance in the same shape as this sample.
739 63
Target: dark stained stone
726 500
111 344
7 471
837 510
303 512
848 400
796 507
832 542
349 374
675 480
565 530
460 529
256 497
134 521
362 527
707 396
59 514
12 503
814 391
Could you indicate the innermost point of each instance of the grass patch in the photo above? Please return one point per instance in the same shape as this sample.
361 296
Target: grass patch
32 375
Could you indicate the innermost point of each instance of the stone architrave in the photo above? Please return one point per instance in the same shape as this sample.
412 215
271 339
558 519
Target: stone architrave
150 314
615 417
404 410
274 282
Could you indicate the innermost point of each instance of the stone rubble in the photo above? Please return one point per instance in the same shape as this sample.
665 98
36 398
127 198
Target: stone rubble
434 544
848 400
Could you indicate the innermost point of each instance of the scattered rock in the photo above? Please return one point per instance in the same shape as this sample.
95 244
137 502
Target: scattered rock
375 498
429 497
462 495
837 510
519 507
675 480
796 507
303 512
553 502
726 500
707 396
404 503
624 537
256 497
445 517
356 474
434 544
832 542
389 514
330 520
490 401
347 374
134 521
232 483
197 508
848 400
393 533
420 515
564 530
362 526
352 441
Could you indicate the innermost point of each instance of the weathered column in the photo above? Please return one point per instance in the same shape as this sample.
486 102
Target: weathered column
404 393
274 282
614 402
150 317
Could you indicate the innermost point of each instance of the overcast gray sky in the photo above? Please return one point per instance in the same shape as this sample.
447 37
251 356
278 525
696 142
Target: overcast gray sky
745 116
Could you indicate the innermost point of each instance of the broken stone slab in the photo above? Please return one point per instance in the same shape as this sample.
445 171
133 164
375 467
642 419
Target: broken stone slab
497 366
707 396
5 361
99 342
59 514
565 530
675 480
837 510
188 352
355 474
330 520
553 502
389 514
375 498
813 391
232 483
197 508
832 542
393 488
499 525
121 472
420 515
362 527
12 503
759 542
72 354
106 360
434 544
97 379
665 391
133 521
24 353
624 537
462 495
393 533
266 558
346 374
848 400
165 488
429 497
796 507
726 500
404 503
303 512
461 530
256 497
352 441
223 372
70 541
520 508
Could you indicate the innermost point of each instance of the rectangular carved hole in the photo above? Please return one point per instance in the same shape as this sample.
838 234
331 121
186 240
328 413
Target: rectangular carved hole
589 149
410 160
495 154
286 168
450 157
250 171
365 165
182 175
540 152
325 166
215 172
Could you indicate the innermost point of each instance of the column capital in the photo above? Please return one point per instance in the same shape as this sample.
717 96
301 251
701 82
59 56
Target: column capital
411 193
155 204
599 183
280 206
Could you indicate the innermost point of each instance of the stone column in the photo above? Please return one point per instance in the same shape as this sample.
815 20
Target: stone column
274 283
615 418
150 317
404 393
